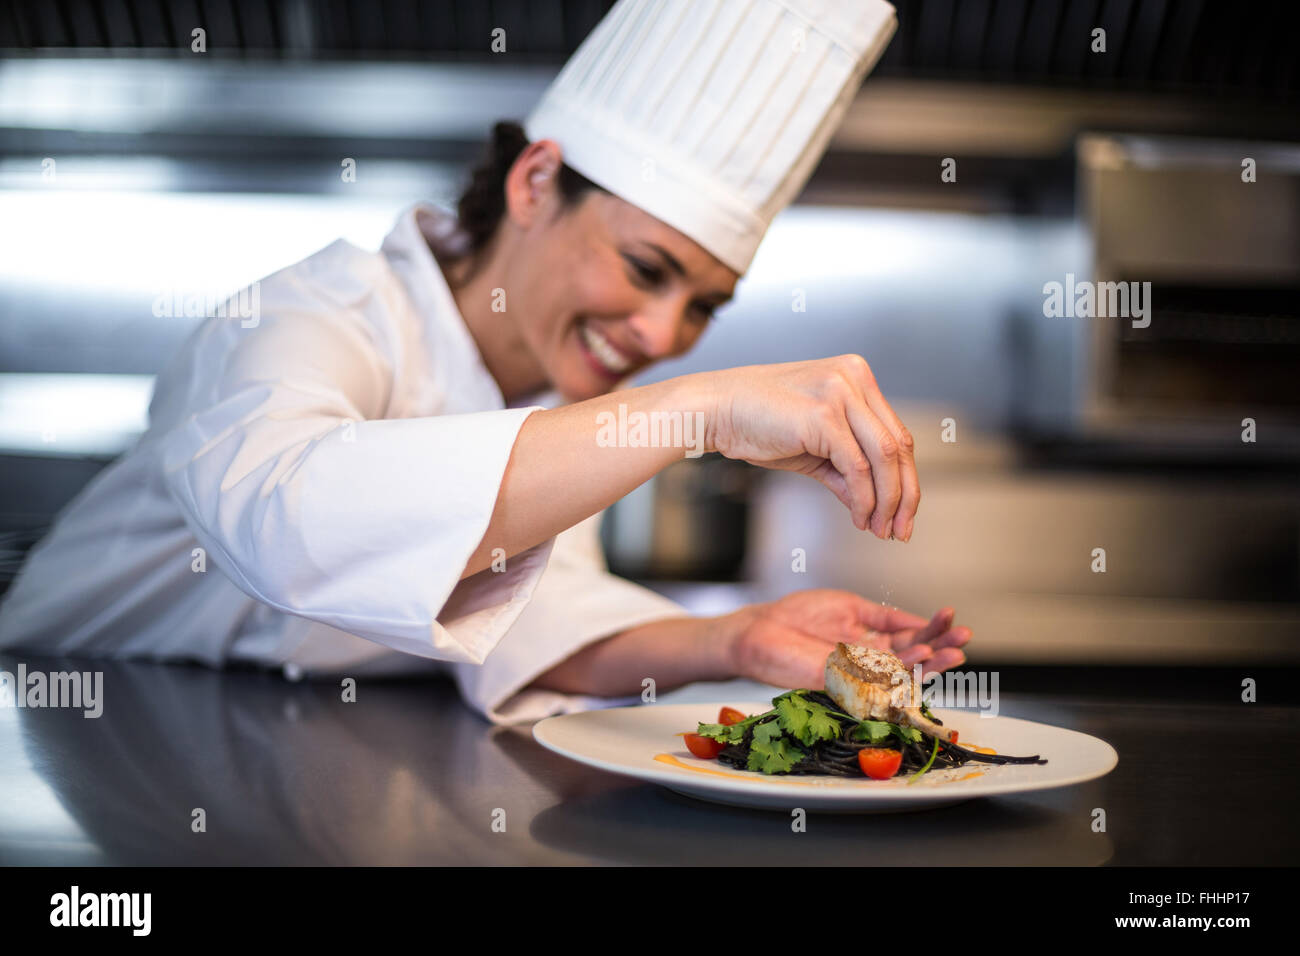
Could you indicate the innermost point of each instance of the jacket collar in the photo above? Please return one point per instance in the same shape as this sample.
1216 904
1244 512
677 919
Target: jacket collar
453 352
459 373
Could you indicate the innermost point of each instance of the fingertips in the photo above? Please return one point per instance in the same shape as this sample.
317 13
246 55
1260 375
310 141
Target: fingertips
904 518
915 654
945 659
890 618
953 638
939 624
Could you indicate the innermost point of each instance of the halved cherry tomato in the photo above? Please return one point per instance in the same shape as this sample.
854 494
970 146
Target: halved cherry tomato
879 763
729 715
705 747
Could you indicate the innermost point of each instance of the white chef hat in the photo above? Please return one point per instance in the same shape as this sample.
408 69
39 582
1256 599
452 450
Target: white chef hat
711 115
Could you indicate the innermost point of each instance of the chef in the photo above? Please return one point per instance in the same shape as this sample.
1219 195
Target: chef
393 467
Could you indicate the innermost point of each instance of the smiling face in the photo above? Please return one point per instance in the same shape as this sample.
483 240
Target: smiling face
595 291
614 290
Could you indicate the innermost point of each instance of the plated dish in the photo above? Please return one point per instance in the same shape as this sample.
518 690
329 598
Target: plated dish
969 755
871 721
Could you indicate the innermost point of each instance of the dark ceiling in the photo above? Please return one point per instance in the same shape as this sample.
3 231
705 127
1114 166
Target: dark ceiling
1205 47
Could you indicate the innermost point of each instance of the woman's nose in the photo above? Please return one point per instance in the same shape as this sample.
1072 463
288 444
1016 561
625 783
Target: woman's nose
657 327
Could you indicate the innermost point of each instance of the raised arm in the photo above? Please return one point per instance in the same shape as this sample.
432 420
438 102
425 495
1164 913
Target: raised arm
825 418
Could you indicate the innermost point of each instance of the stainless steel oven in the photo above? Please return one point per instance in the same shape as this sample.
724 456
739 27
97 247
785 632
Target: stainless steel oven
1214 228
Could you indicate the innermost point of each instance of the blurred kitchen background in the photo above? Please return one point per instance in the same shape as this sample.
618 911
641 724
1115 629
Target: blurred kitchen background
136 172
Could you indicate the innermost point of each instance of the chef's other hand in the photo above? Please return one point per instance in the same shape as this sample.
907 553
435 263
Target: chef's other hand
785 642
825 418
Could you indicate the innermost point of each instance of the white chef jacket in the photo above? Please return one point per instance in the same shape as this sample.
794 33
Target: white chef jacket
312 483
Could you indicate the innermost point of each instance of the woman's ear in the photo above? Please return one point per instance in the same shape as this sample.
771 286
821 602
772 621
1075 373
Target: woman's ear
531 185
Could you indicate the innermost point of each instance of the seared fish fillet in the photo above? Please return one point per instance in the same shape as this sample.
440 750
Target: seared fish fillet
875 685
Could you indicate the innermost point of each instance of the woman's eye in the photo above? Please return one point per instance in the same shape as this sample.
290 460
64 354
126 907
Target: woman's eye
704 311
646 273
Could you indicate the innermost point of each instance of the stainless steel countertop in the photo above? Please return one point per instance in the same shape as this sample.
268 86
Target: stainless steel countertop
289 774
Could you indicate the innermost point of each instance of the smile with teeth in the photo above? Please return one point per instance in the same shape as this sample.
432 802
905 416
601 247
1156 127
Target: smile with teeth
604 351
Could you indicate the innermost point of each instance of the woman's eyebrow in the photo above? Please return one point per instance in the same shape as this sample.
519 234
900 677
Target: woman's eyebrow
720 298
669 258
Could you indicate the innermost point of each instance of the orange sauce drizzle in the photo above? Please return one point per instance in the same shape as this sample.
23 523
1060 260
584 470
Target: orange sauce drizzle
673 761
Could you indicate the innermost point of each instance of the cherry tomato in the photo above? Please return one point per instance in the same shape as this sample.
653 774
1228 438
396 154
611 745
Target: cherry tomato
879 763
705 747
729 715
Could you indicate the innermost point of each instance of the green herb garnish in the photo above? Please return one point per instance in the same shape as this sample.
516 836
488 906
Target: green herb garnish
806 720
778 740
878 731
934 753
770 752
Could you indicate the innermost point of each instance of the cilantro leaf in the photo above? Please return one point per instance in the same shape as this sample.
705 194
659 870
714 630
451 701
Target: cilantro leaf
719 732
792 717
723 733
908 735
876 731
873 731
805 720
822 725
730 733
770 752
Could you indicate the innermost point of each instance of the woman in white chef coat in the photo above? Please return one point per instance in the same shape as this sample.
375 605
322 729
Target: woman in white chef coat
364 477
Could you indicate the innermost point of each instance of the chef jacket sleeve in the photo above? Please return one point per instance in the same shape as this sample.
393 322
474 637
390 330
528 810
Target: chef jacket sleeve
577 602
314 504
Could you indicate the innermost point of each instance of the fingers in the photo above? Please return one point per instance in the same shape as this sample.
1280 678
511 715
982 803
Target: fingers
932 661
881 618
937 632
917 652
882 451
938 625
898 519
860 435
957 637
910 484
845 453
825 473
777 653
942 660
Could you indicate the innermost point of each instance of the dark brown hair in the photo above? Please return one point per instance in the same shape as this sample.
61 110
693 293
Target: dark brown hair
483 202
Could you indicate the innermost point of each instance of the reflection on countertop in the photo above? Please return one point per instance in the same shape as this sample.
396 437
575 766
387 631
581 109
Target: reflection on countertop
287 773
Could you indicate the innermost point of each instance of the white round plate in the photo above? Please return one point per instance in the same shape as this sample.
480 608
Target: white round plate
627 740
